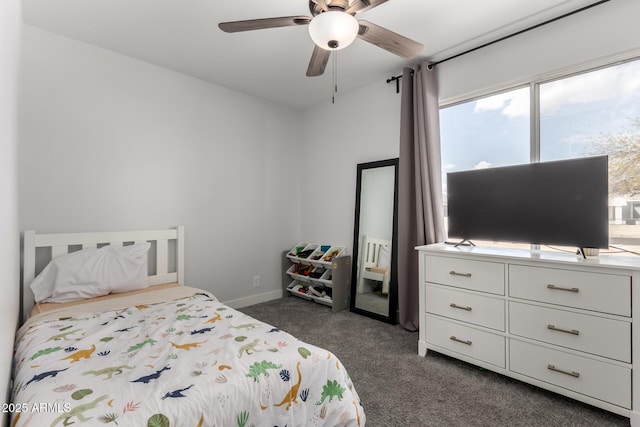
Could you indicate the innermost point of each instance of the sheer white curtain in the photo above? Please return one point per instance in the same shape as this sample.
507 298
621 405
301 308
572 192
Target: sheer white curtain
420 209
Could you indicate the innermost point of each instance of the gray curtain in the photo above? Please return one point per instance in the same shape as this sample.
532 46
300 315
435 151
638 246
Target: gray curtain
420 208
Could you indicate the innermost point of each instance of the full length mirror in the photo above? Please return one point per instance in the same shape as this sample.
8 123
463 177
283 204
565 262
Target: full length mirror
374 283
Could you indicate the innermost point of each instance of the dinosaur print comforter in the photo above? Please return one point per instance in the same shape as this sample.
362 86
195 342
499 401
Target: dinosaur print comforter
190 361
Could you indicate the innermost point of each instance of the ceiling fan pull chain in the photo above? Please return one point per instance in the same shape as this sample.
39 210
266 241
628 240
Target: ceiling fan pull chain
335 77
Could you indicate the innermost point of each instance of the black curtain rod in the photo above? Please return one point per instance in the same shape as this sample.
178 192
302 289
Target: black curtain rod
397 80
533 27
517 33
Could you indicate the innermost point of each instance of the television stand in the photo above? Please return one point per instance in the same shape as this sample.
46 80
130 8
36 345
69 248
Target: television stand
551 319
464 242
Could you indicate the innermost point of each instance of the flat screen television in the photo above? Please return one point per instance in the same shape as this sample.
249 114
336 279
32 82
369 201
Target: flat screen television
550 203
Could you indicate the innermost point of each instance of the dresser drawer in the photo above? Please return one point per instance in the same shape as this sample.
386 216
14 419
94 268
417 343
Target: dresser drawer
477 309
471 342
606 293
603 381
592 334
480 276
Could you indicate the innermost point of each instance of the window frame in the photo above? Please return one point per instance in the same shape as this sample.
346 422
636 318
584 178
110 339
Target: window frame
534 99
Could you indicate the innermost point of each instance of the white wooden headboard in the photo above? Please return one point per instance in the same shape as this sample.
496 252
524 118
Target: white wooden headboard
370 250
63 243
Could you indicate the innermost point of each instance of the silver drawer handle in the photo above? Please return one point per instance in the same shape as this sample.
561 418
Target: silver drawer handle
454 305
558 288
453 338
455 273
562 371
568 331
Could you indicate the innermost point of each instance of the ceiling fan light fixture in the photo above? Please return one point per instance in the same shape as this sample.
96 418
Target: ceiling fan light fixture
333 30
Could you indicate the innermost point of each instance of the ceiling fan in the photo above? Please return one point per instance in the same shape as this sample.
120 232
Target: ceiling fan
333 26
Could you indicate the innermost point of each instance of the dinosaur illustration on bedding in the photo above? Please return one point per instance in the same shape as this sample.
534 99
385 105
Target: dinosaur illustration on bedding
62 335
44 351
261 368
81 354
176 393
77 412
145 379
187 346
331 389
214 319
138 346
40 377
249 348
292 394
109 372
136 366
201 331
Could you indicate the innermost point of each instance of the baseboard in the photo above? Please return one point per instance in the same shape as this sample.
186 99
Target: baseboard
254 299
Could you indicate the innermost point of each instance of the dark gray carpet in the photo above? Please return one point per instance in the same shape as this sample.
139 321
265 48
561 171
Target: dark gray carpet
400 388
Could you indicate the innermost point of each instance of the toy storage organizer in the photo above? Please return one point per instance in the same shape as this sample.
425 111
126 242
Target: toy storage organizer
320 273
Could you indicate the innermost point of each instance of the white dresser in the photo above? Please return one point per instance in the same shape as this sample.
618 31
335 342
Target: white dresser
551 319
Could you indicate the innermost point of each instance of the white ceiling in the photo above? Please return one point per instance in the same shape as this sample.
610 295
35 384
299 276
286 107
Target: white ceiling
183 35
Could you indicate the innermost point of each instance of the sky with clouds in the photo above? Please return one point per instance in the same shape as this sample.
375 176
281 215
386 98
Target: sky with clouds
574 111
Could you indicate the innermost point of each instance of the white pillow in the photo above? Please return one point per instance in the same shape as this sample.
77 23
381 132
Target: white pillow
90 273
384 257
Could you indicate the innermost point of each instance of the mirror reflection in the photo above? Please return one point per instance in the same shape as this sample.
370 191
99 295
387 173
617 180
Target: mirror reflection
373 287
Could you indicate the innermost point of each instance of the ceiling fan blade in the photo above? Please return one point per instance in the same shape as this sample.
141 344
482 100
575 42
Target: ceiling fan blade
361 5
388 40
323 4
318 62
260 24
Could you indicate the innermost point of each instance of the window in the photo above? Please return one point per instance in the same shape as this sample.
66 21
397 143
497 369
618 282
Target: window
487 132
592 113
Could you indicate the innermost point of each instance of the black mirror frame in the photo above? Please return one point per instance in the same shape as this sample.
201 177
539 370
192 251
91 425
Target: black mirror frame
393 281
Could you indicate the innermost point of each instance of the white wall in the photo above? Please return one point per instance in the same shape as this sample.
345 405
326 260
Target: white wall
10 23
108 142
364 125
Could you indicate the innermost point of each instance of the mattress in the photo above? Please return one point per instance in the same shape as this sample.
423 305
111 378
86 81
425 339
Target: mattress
173 357
126 297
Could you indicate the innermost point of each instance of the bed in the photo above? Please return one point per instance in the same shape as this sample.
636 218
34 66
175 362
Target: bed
166 355
375 263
